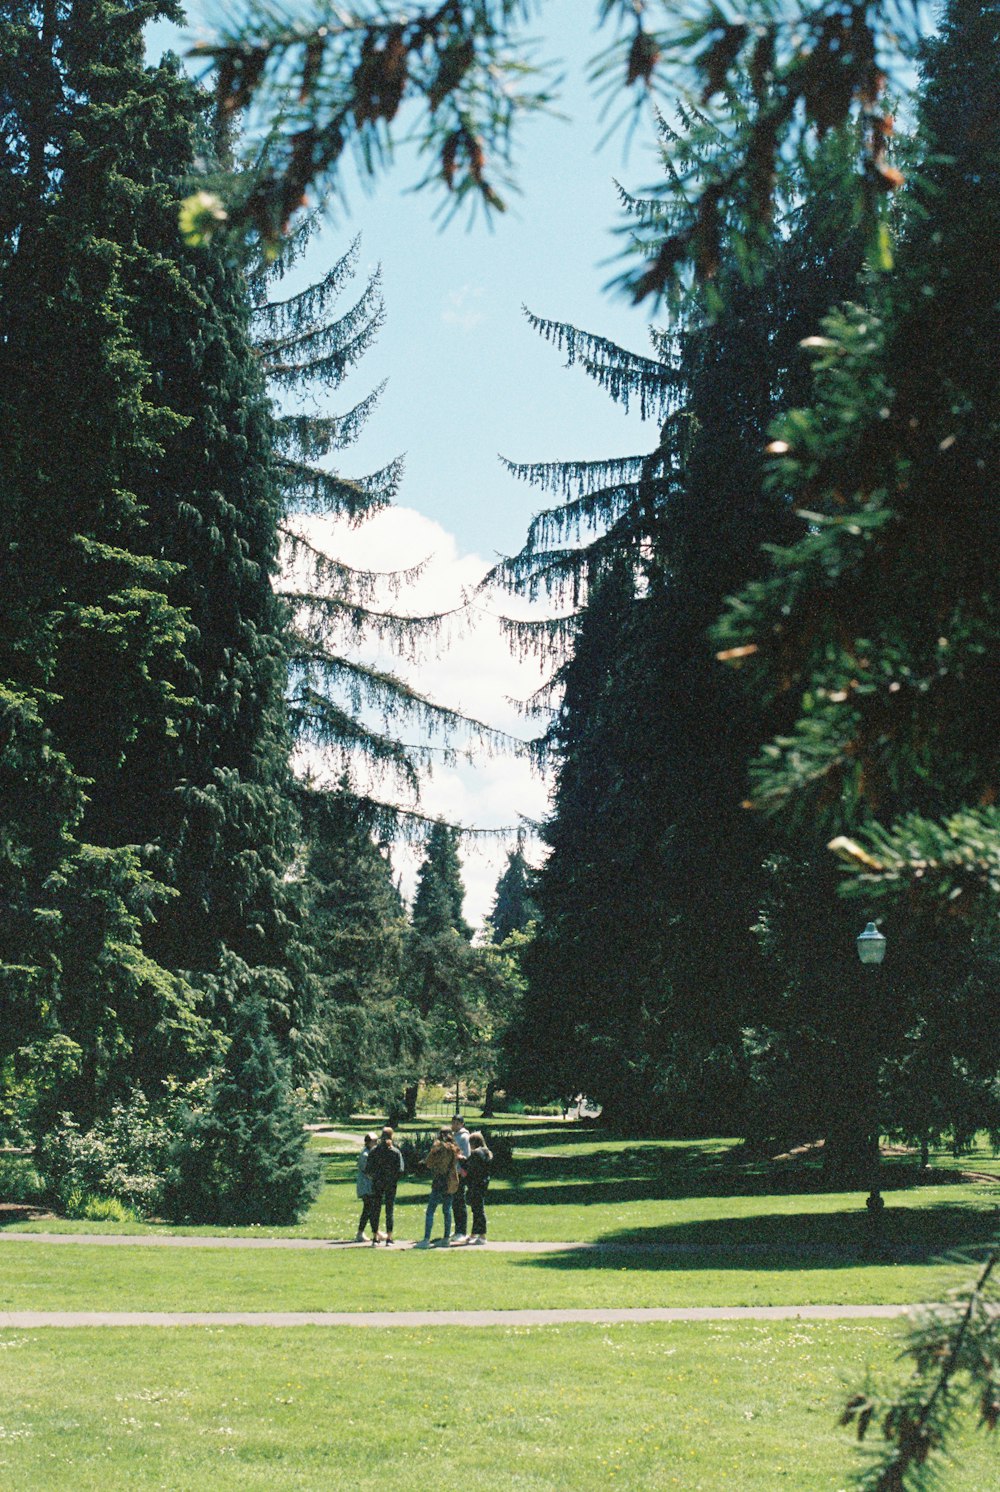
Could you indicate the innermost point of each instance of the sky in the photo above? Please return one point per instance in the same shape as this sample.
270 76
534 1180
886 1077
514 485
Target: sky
469 380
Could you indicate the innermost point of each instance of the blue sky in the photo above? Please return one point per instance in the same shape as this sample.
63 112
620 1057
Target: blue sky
468 379
467 376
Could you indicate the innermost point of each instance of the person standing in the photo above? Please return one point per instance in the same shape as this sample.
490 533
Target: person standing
365 1190
460 1136
477 1179
385 1166
442 1162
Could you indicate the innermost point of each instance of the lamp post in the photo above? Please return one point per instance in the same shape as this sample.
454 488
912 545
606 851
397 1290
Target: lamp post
871 950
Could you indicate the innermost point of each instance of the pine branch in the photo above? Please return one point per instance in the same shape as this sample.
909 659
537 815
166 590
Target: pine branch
326 350
626 376
954 863
954 1348
308 437
312 490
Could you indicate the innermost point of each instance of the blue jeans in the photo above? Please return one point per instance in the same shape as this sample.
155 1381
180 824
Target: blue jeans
438 1198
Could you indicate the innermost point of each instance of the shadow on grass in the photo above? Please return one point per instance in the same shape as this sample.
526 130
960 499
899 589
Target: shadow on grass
777 1241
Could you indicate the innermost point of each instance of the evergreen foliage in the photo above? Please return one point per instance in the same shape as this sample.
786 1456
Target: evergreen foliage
514 907
869 640
350 709
652 886
140 632
875 621
241 1159
437 906
371 1037
466 73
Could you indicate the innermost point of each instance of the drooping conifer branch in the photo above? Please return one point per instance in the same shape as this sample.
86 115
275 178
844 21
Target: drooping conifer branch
311 490
309 437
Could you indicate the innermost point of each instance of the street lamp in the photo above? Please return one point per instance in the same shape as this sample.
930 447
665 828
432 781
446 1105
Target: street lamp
871 950
871 945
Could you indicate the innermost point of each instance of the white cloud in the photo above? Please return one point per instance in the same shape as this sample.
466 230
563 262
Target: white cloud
463 308
470 669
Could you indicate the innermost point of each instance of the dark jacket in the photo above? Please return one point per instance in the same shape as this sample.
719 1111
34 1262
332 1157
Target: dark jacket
385 1166
477 1169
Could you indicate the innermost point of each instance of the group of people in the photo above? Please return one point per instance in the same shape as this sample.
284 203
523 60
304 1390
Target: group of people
459 1164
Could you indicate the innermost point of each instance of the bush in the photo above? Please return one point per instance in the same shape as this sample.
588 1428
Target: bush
416 1146
122 1158
20 1181
99 1209
242 1159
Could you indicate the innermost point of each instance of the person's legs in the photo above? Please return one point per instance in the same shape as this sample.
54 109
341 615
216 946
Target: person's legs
432 1203
461 1214
477 1201
366 1216
390 1208
376 1212
446 1206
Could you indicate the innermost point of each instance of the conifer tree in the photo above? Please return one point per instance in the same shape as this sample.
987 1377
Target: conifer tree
514 908
350 710
651 890
871 632
437 906
241 1160
86 613
141 626
370 1035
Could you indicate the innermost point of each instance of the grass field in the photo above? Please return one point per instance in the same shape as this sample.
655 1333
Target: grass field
717 1408
744 1407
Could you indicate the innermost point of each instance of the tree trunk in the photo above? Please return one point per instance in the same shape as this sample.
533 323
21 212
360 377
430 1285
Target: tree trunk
410 1100
488 1097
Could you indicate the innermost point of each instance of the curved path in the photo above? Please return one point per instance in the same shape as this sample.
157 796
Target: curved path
24 1320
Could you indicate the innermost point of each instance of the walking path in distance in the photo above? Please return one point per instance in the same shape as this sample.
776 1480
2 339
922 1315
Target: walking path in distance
500 1246
30 1320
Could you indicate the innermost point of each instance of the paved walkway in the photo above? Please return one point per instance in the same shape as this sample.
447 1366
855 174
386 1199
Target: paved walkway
24 1320
499 1246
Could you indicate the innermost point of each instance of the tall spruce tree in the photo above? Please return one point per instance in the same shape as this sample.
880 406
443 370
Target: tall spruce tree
140 627
872 632
514 907
90 638
651 889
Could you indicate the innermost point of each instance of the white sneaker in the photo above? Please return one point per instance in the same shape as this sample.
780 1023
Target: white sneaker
422 1243
478 1238
360 1238
460 1238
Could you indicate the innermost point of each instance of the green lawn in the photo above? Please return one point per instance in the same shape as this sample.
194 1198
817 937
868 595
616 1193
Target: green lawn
722 1408
744 1407
571 1183
90 1277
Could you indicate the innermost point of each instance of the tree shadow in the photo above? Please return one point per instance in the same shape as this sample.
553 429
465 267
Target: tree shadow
778 1241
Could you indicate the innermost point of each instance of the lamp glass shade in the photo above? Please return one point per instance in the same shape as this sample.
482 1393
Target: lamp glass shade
871 945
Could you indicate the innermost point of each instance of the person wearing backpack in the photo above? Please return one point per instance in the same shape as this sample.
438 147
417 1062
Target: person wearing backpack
365 1191
385 1166
442 1162
477 1180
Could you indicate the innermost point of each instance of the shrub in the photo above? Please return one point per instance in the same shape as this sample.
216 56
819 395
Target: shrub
416 1146
121 1158
242 1159
20 1181
99 1209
